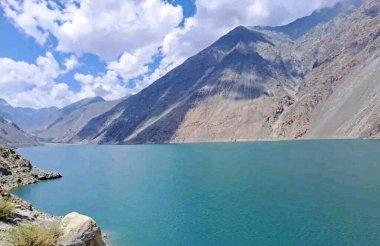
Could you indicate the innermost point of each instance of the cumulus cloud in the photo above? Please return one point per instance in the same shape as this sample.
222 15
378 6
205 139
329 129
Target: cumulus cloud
104 28
107 86
70 63
32 85
36 84
127 35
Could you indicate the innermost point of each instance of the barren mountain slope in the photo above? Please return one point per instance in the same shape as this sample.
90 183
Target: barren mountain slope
317 77
340 95
226 91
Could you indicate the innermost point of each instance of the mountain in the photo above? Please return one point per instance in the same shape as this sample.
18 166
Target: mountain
303 25
72 118
340 94
29 119
314 78
12 136
55 124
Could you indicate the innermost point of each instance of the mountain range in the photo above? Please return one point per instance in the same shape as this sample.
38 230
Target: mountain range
11 135
53 124
317 77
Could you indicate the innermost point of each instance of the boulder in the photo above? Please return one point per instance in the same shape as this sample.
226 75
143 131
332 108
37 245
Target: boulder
80 230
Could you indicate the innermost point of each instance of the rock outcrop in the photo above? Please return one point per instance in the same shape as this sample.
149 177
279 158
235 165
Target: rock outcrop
79 229
15 171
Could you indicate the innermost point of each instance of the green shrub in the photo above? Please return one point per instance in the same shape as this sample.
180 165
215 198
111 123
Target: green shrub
34 236
6 208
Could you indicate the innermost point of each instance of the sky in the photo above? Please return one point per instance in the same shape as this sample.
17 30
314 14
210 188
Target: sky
55 52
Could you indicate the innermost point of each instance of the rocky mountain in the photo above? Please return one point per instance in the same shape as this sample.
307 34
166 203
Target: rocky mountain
72 118
12 136
317 77
339 96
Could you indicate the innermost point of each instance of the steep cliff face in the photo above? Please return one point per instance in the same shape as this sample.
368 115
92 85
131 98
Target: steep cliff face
314 78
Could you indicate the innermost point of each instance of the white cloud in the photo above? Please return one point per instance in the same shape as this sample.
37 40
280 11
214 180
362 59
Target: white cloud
132 65
107 86
126 35
104 28
36 85
32 85
215 18
70 63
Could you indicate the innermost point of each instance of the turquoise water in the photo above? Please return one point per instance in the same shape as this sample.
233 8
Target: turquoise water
265 193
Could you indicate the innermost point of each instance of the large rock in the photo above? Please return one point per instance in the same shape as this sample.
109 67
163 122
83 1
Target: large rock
80 230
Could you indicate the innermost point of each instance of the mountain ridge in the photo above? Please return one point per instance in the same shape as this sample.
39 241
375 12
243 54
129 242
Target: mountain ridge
252 83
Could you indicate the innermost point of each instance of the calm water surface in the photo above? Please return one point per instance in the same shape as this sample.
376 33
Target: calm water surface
266 193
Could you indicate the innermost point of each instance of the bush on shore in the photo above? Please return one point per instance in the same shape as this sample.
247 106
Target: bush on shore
34 236
7 208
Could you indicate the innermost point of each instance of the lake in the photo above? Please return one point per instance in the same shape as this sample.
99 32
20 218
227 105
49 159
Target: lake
262 193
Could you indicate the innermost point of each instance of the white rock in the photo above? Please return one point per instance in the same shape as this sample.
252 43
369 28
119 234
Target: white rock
80 230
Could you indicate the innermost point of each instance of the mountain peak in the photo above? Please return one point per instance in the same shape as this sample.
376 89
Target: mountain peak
240 34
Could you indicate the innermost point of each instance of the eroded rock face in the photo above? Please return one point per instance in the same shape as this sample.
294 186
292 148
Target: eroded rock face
80 230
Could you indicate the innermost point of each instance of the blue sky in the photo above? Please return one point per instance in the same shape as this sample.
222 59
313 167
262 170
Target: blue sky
55 53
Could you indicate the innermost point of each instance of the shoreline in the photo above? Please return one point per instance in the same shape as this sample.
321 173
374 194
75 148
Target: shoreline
202 142
15 172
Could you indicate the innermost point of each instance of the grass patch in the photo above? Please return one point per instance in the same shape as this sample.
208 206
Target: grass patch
34 236
7 208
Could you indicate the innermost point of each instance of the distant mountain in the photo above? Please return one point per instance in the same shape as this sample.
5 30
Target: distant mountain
54 124
314 78
72 118
12 136
28 119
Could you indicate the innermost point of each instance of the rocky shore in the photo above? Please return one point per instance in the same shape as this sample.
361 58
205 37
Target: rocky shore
15 171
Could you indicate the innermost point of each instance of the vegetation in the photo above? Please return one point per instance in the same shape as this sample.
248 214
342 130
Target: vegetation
7 208
34 236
